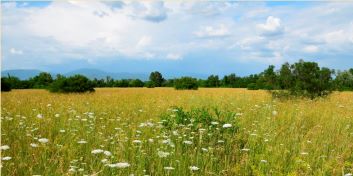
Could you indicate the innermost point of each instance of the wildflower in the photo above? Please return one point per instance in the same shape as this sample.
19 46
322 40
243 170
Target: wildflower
263 161
6 158
39 116
119 165
168 168
204 149
193 168
57 115
104 160
62 131
274 113
227 125
349 174
187 142
48 105
304 153
43 140
137 141
4 147
82 142
107 153
34 145
245 149
214 123
96 151
162 154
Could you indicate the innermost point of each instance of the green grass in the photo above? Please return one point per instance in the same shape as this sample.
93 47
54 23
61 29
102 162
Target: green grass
154 130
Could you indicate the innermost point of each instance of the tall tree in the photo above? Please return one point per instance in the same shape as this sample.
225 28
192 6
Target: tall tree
156 79
213 81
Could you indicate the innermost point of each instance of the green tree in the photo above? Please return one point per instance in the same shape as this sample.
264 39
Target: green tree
156 79
310 80
186 83
229 80
285 77
43 80
76 83
5 85
344 80
213 81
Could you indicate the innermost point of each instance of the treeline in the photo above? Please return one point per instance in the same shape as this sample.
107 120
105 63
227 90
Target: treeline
301 77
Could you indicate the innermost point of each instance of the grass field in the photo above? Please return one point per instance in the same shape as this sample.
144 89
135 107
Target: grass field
131 131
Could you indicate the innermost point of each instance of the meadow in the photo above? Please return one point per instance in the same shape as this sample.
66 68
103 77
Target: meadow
162 131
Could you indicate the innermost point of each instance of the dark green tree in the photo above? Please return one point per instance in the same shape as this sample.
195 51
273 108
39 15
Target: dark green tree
156 79
5 85
187 83
43 80
285 77
76 84
213 81
229 80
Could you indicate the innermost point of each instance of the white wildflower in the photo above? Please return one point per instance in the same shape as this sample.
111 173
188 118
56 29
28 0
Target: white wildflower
227 125
107 153
82 142
4 147
137 141
34 145
245 149
168 168
162 154
39 116
194 168
274 113
6 158
187 142
119 165
43 140
96 151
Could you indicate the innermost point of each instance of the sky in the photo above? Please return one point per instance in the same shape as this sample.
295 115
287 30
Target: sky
175 37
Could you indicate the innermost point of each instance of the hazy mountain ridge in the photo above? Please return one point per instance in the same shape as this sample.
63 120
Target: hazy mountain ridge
94 73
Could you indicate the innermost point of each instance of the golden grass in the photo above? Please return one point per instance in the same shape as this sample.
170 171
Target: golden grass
304 138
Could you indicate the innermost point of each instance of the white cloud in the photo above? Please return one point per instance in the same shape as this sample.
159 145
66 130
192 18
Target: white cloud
311 49
16 51
174 56
272 27
144 41
213 31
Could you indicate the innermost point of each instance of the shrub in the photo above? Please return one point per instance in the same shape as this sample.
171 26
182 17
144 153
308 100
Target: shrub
187 83
5 85
252 86
77 83
149 84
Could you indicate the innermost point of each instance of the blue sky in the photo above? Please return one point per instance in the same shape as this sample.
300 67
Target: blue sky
175 37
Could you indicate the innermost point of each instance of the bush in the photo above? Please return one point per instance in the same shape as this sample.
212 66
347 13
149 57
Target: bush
5 85
252 86
149 84
186 83
77 83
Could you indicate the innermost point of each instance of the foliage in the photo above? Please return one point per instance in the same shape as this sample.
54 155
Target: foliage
213 81
156 79
344 80
76 83
5 85
186 83
252 86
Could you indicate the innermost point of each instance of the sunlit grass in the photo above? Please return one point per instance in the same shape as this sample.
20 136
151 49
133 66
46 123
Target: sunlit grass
121 132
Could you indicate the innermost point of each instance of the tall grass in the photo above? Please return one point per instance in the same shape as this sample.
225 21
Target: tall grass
162 131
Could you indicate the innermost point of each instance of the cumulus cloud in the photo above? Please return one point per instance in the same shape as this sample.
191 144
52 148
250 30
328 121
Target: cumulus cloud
16 51
272 27
174 56
151 11
80 30
213 31
311 49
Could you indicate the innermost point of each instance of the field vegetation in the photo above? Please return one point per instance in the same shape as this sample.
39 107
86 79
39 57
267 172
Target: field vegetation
162 131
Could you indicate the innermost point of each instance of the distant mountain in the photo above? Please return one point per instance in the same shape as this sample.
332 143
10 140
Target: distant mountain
20 73
99 74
